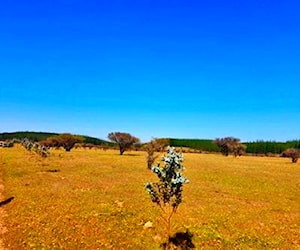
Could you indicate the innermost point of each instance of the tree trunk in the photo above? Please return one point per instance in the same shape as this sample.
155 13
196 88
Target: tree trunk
122 150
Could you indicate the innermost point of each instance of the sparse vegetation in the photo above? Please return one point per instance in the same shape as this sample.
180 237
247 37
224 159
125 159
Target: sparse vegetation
80 200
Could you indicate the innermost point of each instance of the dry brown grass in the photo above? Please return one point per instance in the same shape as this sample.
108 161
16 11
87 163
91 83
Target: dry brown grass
96 200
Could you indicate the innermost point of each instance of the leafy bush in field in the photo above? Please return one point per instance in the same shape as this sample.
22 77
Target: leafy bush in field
7 144
66 140
151 149
230 145
155 145
35 147
293 153
167 192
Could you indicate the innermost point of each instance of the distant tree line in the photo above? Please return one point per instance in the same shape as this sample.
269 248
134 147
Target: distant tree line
270 147
199 144
257 147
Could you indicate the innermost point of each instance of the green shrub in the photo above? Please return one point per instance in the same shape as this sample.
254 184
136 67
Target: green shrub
167 192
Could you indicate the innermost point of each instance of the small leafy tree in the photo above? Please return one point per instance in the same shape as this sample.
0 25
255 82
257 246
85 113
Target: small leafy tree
292 153
238 149
167 192
66 140
124 140
155 145
51 142
230 145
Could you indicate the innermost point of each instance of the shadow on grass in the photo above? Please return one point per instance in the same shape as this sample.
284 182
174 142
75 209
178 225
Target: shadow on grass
180 241
131 154
53 170
2 203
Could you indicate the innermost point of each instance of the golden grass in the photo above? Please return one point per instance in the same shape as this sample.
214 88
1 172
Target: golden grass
96 200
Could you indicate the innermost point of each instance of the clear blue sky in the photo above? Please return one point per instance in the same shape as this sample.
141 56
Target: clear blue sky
183 69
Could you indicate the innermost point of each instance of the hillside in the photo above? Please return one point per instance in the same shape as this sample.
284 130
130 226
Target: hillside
39 136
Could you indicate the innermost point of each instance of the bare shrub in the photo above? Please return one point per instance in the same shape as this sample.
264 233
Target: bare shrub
155 145
292 153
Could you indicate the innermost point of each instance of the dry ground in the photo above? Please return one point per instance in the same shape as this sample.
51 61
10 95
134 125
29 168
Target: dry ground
94 199
2 211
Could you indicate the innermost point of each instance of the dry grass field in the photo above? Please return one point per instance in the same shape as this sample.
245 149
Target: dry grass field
95 199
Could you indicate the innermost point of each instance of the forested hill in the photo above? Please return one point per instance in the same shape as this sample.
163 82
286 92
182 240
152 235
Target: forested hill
39 136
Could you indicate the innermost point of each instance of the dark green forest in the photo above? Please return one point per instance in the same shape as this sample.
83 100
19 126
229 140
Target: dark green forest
256 147
199 144
273 147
